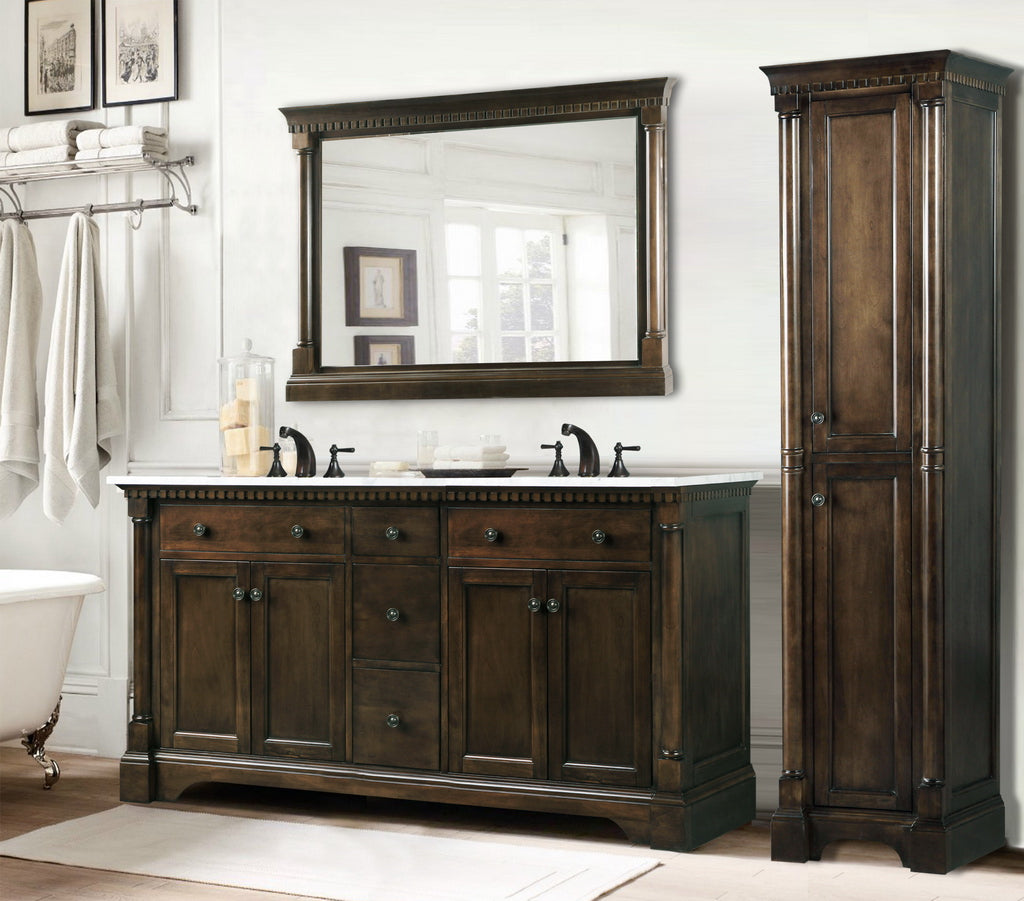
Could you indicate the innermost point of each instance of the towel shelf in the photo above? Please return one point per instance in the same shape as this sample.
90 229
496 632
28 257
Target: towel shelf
173 172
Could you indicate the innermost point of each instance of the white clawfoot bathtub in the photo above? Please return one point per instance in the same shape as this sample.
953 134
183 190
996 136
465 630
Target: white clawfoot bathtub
38 613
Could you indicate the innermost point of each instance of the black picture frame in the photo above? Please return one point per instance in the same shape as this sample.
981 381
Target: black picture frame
389 350
380 286
59 64
140 52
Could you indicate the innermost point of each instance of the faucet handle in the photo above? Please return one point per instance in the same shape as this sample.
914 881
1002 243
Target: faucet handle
333 469
618 467
559 468
276 469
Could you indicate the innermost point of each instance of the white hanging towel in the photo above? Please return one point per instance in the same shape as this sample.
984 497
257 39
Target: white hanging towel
81 410
21 299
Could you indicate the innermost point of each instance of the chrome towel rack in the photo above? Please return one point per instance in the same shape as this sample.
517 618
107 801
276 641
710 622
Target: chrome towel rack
173 172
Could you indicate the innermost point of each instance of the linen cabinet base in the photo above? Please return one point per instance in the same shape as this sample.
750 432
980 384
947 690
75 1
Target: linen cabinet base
570 650
890 212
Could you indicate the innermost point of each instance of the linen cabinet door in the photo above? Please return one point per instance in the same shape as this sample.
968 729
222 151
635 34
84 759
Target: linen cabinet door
863 648
599 676
861 290
498 685
298 665
204 656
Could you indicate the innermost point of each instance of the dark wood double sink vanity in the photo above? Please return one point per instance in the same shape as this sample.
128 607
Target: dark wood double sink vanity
579 648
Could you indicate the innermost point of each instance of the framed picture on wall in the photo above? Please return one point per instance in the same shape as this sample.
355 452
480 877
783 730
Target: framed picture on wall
140 51
380 286
384 350
58 56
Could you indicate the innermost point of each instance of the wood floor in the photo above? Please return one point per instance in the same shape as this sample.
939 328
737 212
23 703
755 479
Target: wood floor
848 871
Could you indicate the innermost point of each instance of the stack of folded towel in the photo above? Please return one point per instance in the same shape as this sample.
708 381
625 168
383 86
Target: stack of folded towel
470 456
109 146
26 148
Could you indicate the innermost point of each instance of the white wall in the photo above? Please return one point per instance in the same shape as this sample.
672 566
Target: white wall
182 291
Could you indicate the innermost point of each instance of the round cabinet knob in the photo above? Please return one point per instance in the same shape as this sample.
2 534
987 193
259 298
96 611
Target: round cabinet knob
553 605
238 594
199 530
534 605
492 534
256 595
392 614
817 418
393 721
818 500
599 536
298 531
392 533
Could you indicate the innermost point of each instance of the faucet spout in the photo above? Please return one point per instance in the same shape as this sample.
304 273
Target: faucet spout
305 459
590 459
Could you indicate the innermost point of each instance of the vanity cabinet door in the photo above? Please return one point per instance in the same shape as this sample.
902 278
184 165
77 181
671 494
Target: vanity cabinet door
599 677
204 621
298 660
497 678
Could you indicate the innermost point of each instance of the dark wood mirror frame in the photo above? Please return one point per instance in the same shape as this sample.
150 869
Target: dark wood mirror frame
645 100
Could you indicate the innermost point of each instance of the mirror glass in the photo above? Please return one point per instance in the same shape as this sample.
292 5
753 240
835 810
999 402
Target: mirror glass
501 245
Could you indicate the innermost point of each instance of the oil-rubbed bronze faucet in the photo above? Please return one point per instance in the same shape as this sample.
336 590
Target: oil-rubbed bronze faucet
590 459
305 459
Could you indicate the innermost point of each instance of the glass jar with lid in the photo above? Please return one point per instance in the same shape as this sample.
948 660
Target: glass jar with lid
246 413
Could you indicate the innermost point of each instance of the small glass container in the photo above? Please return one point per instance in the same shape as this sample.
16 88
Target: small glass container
426 444
246 413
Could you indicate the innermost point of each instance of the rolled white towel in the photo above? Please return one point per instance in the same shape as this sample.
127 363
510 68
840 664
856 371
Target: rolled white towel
468 451
44 134
60 156
115 153
121 135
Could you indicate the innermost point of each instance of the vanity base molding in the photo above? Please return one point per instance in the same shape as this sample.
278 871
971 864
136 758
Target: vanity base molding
573 650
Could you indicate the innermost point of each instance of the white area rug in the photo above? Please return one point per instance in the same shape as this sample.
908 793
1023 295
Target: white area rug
332 862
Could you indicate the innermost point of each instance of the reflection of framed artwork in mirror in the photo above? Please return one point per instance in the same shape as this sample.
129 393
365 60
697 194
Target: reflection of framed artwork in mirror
380 286
384 350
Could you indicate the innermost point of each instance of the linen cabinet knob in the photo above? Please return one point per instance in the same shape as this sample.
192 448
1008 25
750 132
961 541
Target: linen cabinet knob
818 500
599 536
199 530
256 595
392 533
817 418
238 594
534 605
492 534
393 721
553 605
392 614
298 531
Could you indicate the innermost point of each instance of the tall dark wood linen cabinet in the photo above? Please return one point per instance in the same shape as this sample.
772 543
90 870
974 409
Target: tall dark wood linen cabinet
890 210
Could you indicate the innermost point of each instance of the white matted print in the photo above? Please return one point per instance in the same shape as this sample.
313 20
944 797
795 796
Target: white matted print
58 56
140 51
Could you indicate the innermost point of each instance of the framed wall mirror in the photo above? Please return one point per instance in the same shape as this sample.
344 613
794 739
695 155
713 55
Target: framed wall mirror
503 244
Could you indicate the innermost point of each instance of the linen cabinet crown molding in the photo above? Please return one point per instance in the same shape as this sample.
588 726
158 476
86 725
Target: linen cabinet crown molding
890 190
572 649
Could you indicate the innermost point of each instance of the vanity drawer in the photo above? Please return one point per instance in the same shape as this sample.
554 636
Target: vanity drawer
550 534
395 532
252 528
396 718
396 612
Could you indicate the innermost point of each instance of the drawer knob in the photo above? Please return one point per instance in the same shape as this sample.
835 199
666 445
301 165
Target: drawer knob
392 533
199 530
599 536
393 721
534 605
817 418
492 534
298 531
818 500
238 594
553 605
256 595
392 614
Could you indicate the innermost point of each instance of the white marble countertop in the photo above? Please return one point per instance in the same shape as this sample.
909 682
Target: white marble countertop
519 480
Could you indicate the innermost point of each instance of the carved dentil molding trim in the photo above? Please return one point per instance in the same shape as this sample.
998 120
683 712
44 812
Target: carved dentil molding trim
883 81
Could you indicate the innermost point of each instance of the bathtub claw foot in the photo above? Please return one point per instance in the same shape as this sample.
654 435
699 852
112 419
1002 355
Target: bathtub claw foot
34 743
